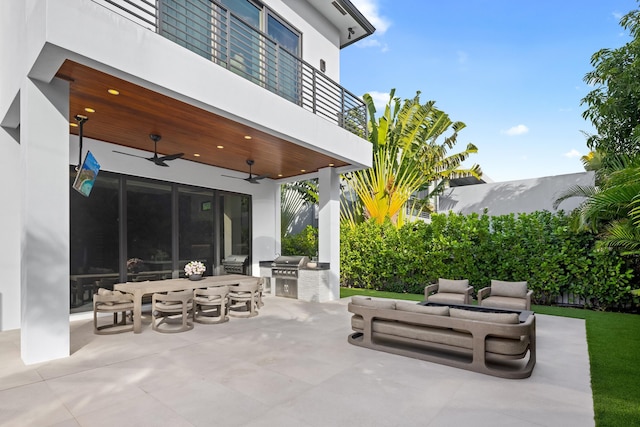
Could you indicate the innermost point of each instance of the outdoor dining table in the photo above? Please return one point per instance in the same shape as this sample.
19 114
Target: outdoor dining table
140 289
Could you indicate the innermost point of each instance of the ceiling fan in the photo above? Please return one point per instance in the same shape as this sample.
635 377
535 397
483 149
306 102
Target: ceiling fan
251 178
158 160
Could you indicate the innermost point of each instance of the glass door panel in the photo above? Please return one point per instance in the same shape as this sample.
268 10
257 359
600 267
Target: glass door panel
287 64
244 41
148 230
235 223
195 228
93 239
188 23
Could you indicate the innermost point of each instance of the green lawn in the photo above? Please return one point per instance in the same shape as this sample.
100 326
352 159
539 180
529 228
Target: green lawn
614 353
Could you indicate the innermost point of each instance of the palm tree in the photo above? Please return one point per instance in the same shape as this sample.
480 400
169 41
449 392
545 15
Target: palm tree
612 206
293 197
410 155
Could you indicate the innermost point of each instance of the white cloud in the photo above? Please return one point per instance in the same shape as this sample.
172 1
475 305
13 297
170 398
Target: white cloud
380 100
516 130
573 154
369 42
369 9
617 15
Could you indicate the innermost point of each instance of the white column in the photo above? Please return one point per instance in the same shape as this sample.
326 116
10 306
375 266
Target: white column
329 226
10 222
44 139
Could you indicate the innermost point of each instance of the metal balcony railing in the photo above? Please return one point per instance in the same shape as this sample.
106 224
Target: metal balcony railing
210 30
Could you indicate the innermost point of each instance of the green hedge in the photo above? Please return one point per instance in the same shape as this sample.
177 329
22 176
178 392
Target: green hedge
303 243
539 247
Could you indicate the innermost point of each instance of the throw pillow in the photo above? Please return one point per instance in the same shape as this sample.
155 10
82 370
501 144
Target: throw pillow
453 286
501 288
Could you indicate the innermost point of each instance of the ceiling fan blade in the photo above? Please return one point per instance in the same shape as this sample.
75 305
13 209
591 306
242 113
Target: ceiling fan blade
229 176
261 177
132 155
171 156
157 161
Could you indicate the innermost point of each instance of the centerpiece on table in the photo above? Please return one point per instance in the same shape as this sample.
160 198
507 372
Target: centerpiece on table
194 270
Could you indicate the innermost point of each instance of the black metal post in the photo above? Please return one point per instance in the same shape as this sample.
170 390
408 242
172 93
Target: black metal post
81 119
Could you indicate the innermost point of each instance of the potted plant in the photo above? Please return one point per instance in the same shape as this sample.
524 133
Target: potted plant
194 270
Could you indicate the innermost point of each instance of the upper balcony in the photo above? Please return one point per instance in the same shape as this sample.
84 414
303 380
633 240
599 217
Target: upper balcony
214 32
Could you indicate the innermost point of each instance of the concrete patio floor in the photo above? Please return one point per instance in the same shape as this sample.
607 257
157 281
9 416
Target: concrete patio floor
289 366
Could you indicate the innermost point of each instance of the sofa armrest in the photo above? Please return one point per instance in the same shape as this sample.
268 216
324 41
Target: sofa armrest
483 293
529 294
430 289
468 297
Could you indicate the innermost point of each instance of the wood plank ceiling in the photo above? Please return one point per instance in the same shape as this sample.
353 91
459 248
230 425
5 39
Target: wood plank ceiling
128 118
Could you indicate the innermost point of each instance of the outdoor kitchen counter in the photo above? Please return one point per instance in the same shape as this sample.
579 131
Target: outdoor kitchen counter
313 283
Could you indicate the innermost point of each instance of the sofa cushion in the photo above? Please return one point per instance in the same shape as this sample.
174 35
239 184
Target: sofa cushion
416 308
447 298
423 333
374 303
453 286
506 318
500 288
505 302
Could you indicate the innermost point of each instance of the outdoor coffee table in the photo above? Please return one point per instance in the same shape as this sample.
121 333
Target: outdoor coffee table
522 314
140 289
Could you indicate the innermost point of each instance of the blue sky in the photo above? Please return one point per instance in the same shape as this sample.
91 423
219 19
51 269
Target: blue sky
511 70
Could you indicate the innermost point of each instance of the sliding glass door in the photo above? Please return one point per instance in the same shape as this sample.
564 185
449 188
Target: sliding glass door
136 229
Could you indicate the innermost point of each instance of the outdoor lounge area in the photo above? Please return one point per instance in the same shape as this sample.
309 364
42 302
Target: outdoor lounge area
289 366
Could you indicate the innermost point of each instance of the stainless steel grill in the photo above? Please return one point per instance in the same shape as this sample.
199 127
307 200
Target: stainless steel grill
236 264
285 272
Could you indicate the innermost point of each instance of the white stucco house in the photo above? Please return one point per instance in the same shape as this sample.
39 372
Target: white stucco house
215 85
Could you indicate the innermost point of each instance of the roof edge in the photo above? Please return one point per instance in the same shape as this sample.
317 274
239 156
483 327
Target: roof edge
359 18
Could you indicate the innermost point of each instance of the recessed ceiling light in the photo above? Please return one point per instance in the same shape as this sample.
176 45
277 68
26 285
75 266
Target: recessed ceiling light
196 155
75 125
89 110
303 170
221 146
248 137
331 165
113 92
279 174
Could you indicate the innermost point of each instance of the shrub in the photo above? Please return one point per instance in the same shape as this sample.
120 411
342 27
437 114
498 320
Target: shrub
303 243
539 247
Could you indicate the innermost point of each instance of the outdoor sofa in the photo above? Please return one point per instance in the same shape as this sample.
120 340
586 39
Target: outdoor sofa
493 343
